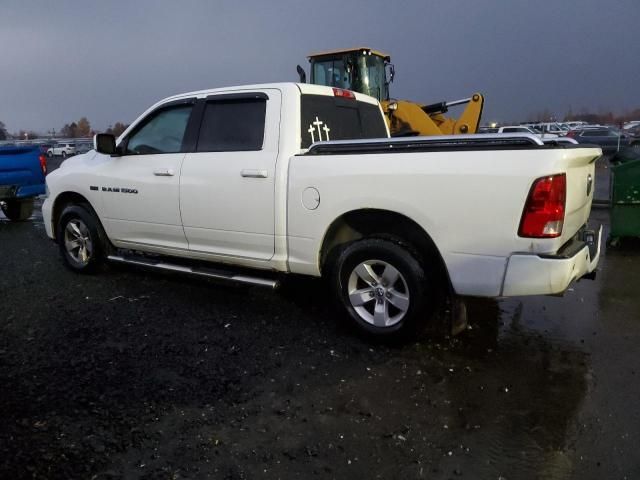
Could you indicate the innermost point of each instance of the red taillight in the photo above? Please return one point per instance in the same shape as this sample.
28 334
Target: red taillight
341 92
571 133
543 214
43 164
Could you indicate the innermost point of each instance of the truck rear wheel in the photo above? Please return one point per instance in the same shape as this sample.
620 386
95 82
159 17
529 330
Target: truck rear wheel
81 239
384 288
18 210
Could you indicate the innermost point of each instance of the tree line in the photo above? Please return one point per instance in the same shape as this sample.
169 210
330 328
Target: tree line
78 129
82 127
602 117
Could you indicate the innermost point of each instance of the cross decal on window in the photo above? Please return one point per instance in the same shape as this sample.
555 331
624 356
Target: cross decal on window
317 126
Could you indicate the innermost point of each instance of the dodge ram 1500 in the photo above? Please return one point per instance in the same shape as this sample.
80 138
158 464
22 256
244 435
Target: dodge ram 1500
304 179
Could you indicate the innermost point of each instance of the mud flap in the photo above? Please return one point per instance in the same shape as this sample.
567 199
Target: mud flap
594 242
458 319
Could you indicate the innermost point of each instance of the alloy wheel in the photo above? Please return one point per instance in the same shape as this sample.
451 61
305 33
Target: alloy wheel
77 241
378 293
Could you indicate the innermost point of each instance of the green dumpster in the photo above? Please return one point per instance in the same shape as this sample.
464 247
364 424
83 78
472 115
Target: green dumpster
625 200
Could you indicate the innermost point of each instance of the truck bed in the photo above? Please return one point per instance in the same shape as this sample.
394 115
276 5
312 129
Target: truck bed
467 192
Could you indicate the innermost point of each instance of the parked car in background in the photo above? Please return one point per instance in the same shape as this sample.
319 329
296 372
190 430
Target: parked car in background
63 150
609 139
44 147
552 128
573 125
22 172
83 148
633 132
524 129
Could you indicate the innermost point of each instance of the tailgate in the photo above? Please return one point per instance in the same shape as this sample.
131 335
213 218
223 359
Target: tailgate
20 166
579 165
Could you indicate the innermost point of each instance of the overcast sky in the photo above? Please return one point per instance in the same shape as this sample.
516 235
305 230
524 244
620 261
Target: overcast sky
111 60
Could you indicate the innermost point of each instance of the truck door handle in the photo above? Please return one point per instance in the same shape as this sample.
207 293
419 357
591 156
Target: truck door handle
254 173
166 172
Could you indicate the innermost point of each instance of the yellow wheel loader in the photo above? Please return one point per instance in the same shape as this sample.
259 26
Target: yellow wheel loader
370 72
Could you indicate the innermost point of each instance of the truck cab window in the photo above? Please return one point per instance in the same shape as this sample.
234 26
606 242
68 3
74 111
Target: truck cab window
232 125
325 118
162 132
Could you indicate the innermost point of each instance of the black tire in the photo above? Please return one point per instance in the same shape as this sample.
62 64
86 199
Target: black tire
96 251
414 278
50 154
18 210
64 154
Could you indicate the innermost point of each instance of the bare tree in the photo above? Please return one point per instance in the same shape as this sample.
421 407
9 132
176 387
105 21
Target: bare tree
69 130
83 128
117 129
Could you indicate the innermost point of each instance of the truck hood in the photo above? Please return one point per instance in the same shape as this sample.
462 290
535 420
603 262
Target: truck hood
78 159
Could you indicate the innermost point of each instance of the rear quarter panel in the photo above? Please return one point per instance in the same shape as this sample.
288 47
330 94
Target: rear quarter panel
469 202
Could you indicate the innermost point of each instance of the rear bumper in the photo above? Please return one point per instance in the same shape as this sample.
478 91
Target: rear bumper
31 190
536 274
25 191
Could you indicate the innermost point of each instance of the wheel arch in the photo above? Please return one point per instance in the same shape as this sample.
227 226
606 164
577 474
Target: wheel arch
368 222
69 198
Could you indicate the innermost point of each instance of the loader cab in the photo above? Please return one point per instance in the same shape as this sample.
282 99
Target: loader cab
362 70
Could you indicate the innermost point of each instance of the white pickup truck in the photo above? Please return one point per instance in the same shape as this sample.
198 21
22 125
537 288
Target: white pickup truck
249 183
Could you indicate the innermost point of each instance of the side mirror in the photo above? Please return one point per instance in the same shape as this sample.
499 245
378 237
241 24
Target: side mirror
104 143
391 72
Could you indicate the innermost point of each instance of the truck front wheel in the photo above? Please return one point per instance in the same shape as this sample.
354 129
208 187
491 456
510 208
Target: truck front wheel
81 239
384 287
18 210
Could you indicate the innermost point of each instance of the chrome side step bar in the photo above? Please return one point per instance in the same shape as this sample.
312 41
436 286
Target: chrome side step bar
202 272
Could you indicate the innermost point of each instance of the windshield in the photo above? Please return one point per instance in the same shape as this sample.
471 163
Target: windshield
332 73
369 76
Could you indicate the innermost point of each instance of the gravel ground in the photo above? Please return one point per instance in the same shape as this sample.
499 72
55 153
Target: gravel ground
130 374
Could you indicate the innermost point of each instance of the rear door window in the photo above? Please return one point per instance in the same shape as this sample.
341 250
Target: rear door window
594 133
326 118
230 125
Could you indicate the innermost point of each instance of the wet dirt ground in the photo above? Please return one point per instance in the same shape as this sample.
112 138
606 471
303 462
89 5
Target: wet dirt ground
130 374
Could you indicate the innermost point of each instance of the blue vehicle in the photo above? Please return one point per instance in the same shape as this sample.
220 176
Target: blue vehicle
22 172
